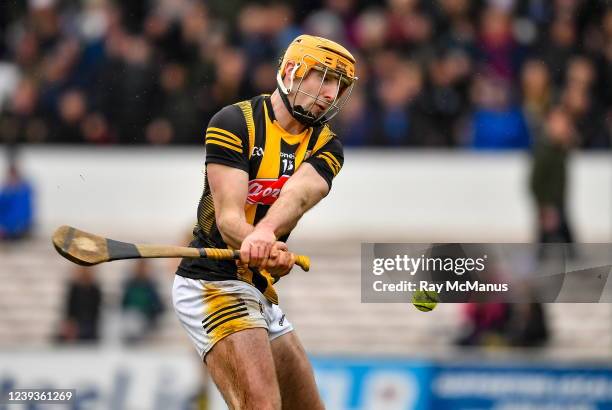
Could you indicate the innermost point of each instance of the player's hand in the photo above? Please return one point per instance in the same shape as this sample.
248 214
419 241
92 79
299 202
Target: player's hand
281 261
256 247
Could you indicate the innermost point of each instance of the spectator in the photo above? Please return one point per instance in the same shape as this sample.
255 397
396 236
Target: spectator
528 326
346 11
499 53
96 129
485 324
263 78
549 178
283 25
400 120
537 96
325 23
580 73
409 30
83 304
58 77
456 29
16 205
537 92
159 132
141 303
371 30
503 324
230 80
445 100
354 121
138 89
607 58
578 99
177 106
263 30
497 123
72 110
557 48
22 120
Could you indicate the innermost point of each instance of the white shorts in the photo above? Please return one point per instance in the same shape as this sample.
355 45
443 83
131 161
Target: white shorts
211 310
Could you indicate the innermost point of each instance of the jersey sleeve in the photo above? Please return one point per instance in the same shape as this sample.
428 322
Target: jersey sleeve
328 160
227 139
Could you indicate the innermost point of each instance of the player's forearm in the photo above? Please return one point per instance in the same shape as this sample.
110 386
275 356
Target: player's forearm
290 206
234 229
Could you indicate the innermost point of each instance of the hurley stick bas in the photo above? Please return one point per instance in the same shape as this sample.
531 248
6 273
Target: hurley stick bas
87 249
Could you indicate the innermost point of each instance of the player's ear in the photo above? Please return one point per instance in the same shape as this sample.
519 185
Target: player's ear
288 67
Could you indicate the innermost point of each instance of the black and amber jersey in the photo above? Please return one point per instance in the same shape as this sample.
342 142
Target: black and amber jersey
247 136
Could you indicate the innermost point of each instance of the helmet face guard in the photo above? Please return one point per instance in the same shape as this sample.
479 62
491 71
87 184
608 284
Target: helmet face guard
328 60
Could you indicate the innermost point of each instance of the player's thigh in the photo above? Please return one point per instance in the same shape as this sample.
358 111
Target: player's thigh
296 378
227 323
242 367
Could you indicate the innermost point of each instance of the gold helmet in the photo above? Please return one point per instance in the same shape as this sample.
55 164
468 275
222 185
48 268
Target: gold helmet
333 62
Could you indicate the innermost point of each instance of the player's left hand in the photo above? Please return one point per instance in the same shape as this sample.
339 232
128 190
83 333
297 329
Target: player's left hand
281 261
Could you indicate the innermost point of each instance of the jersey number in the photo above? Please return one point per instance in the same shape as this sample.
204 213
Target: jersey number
287 165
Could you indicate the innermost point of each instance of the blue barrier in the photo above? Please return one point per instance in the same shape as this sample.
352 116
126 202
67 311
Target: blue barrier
521 387
355 384
359 384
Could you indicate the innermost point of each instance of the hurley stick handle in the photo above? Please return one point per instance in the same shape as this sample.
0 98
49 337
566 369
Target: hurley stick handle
302 261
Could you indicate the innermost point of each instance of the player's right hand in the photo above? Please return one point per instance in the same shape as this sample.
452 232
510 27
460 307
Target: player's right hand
256 247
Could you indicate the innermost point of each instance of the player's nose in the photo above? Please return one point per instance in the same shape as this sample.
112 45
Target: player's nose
328 93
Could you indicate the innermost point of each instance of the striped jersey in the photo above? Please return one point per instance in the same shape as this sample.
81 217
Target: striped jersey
247 136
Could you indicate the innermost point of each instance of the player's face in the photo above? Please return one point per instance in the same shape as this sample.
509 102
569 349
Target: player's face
319 89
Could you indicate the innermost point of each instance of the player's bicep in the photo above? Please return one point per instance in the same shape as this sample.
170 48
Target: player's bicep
229 188
307 185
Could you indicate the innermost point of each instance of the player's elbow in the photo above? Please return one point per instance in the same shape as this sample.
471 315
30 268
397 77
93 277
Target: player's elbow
316 192
226 223
321 190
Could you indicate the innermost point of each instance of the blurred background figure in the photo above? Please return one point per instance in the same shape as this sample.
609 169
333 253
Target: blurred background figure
528 326
549 177
445 98
499 55
580 100
485 324
401 119
497 122
141 303
16 204
356 122
496 325
537 95
82 310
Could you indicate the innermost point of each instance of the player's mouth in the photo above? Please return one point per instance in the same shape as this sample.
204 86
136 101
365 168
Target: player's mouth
321 106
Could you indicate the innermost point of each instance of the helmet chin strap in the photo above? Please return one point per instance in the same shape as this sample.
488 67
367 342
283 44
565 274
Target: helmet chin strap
298 112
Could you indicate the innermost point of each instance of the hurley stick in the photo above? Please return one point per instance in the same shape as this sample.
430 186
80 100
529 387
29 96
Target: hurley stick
87 249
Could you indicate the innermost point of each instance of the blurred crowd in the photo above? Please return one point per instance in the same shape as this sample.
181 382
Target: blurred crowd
444 73
140 303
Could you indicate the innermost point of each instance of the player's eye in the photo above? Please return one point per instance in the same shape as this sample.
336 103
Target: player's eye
318 71
329 80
